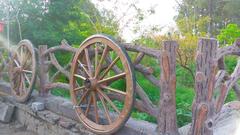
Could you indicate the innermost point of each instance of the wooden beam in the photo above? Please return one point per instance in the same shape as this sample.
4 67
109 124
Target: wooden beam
167 119
203 105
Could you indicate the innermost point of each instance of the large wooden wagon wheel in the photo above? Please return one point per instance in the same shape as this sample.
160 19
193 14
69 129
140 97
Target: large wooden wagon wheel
22 70
93 83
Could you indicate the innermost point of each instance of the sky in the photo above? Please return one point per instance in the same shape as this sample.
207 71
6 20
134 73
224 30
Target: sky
165 10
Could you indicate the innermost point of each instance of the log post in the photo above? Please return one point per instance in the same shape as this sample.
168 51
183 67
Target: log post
203 104
43 70
167 119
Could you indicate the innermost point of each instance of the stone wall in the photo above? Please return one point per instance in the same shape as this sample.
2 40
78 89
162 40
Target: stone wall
59 118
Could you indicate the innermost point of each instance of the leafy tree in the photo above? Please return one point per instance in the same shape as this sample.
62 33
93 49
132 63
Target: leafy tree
229 34
50 21
185 54
207 16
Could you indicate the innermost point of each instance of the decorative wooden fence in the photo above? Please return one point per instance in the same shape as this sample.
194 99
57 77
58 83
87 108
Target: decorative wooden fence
210 76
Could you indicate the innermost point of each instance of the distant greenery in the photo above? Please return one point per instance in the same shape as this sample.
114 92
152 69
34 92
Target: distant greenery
48 22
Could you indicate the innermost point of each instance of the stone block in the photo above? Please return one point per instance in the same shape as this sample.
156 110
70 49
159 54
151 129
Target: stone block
37 106
6 112
66 123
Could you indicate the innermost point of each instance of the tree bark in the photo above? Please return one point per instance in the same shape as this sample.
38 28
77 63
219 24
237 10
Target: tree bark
167 119
203 105
43 70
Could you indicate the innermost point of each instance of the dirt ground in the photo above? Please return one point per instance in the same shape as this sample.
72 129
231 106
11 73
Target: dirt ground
14 128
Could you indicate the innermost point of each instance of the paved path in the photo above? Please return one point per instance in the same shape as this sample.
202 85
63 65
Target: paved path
14 128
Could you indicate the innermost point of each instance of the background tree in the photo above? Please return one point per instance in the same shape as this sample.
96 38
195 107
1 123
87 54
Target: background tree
207 16
229 34
48 22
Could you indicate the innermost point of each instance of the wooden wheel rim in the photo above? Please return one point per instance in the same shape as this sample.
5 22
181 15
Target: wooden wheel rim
27 45
130 85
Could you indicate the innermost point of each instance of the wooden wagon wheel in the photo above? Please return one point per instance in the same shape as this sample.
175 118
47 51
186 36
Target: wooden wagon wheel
22 70
92 82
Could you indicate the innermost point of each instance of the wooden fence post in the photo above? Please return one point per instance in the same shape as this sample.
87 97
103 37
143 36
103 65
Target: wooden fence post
167 121
43 70
203 104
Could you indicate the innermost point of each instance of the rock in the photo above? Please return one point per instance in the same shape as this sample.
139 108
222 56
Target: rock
37 106
1 99
226 123
6 112
75 130
66 124
52 118
184 130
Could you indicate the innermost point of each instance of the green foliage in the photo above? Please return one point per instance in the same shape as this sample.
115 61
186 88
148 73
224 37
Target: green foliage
148 42
61 93
50 22
230 63
184 98
229 34
206 16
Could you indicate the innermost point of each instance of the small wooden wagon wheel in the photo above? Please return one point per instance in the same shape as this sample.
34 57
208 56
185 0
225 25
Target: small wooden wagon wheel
22 70
93 81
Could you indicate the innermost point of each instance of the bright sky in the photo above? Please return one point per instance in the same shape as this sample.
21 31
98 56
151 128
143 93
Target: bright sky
165 10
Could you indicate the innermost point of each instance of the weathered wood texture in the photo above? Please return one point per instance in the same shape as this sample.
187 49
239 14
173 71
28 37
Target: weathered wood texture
167 121
229 50
43 70
203 105
227 85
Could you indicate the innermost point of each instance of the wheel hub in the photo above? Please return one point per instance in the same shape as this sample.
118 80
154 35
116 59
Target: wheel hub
91 83
19 69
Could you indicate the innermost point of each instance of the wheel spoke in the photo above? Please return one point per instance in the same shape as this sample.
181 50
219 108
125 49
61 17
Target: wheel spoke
21 86
96 57
85 70
24 85
105 109
109 67
27 71
88 61
79 76
21 54
26 59
112 78
15 61
95 107
114 90
89 104
79 88
109 100
83 97
105 51
27 78
17 81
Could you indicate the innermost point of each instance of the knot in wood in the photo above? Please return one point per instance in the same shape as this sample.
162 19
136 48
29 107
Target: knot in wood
200 77
209 123
203 107
167 97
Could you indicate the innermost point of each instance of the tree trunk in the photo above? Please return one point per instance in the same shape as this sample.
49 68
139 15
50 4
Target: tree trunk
203 105
167 121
